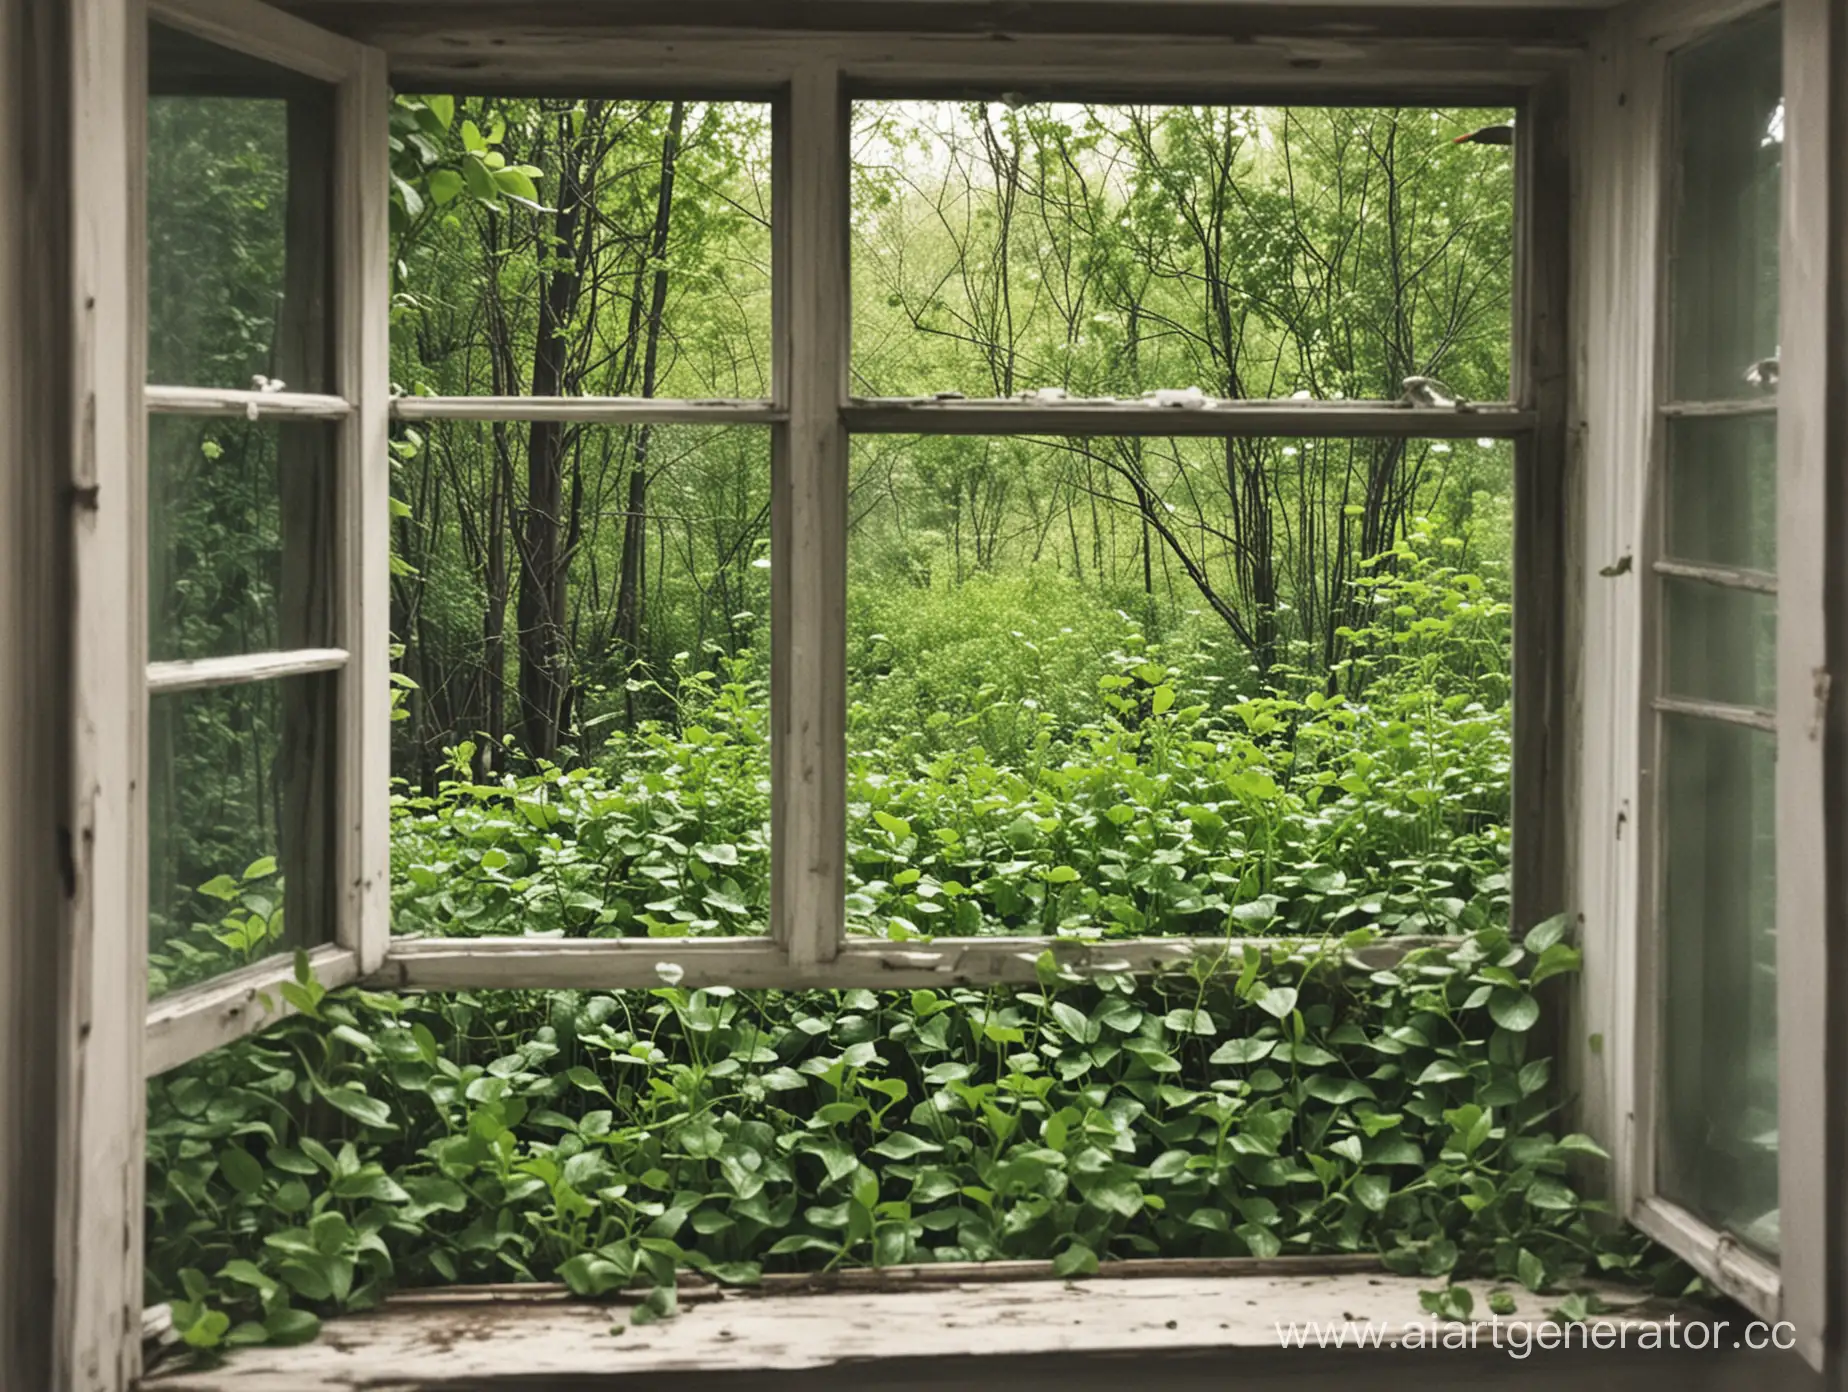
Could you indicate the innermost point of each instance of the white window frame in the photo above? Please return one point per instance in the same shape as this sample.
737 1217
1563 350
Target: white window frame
1593 473
1625 141
199 1018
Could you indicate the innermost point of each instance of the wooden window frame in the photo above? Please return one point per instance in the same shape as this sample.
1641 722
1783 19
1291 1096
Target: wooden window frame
201 1017
812 415
1581 466
1626 138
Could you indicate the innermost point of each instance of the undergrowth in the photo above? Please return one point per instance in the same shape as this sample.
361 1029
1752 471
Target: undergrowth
1278 1100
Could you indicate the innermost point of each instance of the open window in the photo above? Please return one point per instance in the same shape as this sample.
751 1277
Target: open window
1644 362
1707 552
263 552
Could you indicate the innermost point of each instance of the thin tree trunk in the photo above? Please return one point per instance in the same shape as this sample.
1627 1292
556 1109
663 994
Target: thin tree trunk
544 558
632 578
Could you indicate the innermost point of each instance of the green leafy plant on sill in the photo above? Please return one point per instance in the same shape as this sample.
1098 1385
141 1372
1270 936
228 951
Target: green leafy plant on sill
1267 1104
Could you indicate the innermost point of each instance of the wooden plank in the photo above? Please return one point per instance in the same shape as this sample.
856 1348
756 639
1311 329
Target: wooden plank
214 1013
1706 410
1731 1269
96 1298
589 410
1268 419
690 1284
36 617
1726 577
1748 716
1669 24
872 1335
363 559
215 401
263 32
437 46
760 964
1810 1084
1616 221
200 673
808 521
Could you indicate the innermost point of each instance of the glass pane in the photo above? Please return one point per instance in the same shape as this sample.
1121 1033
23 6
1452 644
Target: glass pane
585 616
1722 491
581 246
1718 1138
240 536
240 218
1729 122
1722 643
1116 250
239 806
1119 687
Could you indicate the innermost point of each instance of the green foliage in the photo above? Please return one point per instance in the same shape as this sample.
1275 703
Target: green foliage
1259 1105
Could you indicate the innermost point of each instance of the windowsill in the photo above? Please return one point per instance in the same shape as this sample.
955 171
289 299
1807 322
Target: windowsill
535 1337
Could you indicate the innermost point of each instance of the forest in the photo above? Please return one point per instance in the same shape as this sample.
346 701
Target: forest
1099 688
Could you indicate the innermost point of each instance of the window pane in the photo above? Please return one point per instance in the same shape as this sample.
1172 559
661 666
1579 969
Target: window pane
239 806
1722 643
585 616
240 217
1117 687
1117 250
1722 491
240 536
1718 1140
1729 121
571 247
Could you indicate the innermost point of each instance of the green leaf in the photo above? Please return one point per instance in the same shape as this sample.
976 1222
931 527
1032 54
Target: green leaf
902 1145
220 887
1531 1270
289 1326
1190 1022
368 1111
1241 1051
1262 1243
480 181
1515 1011
1372 1191
1076 1260
515 181
1277 1000
446 185
241 1171
1552 1196
208 1330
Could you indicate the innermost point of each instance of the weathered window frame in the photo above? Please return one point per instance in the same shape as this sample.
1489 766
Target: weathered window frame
1576 637
1621 295
199 1018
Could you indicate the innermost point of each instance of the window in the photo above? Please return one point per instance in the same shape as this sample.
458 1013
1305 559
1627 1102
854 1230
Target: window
263 462
1698 845
1671 677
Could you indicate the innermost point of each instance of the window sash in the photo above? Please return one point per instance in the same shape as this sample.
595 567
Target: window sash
1626 145
203 1016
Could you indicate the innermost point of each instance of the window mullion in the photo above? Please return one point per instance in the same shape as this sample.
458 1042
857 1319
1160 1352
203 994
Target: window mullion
808 693
362 846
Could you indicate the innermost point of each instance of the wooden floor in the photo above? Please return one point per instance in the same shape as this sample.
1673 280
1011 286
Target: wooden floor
1120 1332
